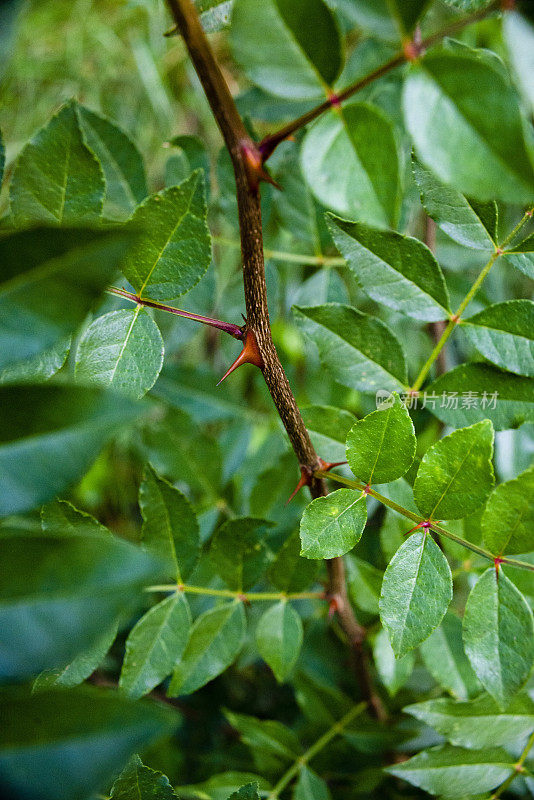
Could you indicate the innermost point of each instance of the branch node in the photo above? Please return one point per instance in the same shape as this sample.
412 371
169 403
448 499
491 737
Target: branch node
253 161
250 354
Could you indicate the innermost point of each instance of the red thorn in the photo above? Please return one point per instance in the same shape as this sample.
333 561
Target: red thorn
497 561
413 48
335 603
327 465
367 488
255 170
426 524
305 480
499 251
244 599
250 354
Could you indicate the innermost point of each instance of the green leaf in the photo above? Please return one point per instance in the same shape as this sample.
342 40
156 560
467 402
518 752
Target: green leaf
310 786
522 256
248 792
289 572
445 659
504 334
123 350
170 527
332 525
50 280
49 436
416 592
328 428
81 667
359 351
356 144
451 101
467 222
291 48
279 638
39 368
216 638
57 178
2 157
61 592
174 251
214 16
477 723
121 161
381 446
75 741
453 772
508 518
273 745
499 635
398 271
219 787
363 583
455 476
141 782
60 516
393 672
238 551
476 392
155 644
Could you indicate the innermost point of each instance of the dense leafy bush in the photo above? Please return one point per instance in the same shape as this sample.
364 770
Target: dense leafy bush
378 639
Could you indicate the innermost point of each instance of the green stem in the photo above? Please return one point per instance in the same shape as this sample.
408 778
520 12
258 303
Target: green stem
518 768
247 596
315 748
455 319
513 562
292 258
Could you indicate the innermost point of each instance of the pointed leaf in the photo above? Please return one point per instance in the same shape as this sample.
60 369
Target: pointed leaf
522 256
356 144
508 518
170 527
416 592
57 178
120 160
310 786
123 350
279 639
455 476
81 667
155 644
291 48
504 334
453 772
50 435
381 446
238 551
467 222
141 782
50 280
332 525
60 592
445 659
359 351
216 638
473 392
39 368
451 100
248 792
396 270
75 742
499 635
174 251
477 723
60 516
273 744
393 672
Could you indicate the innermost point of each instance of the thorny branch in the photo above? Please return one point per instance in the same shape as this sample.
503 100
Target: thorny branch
248 170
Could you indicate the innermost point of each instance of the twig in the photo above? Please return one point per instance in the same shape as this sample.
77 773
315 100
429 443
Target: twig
248 171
